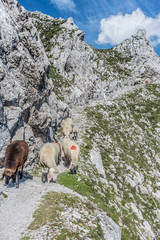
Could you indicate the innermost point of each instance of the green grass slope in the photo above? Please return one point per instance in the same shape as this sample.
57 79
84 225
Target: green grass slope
127 133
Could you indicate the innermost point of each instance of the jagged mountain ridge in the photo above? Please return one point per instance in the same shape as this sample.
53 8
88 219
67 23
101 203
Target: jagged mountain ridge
93 74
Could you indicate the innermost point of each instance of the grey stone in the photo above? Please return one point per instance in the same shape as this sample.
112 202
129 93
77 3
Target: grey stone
110 229
4 133
26 89
86 67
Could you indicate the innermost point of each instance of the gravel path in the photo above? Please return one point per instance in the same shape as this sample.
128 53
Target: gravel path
17 209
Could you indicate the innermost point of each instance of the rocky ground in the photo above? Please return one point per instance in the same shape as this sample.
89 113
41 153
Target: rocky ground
120 148
73 216
115 177
18 205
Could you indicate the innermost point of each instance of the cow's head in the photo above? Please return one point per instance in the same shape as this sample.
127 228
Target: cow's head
52 174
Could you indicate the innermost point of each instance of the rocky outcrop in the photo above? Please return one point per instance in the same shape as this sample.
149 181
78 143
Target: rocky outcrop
30 104
70 56
142 55
4 133
110 229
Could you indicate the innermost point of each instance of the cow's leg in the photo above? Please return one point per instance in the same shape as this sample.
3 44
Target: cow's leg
65 160
14 178
21 173
17 179
43 175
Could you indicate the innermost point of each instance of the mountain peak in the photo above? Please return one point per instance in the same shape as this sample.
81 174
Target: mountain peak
141 33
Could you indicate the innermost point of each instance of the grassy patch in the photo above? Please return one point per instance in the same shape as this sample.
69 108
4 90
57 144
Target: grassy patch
71 181
67 234
4 195
129 135
49 210
60 134
37 171
49 31
54 212
62 86
25 238
114 62
85 187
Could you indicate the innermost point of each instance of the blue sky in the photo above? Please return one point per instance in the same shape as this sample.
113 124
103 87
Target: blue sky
106 23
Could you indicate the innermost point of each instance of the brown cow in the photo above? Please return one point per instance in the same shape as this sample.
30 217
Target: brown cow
15 157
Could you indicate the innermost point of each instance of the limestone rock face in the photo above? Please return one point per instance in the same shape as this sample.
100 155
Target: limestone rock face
4 133
142 56
27 91
71 57
85 74
110 229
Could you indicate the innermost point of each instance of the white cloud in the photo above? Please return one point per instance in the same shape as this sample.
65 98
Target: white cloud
115 29
66 5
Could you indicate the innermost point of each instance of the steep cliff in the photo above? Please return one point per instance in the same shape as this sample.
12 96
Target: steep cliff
4 132
27 92
142 55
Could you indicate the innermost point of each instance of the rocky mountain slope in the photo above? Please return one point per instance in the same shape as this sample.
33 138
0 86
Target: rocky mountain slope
4 132
120 151
92 74
29 103
119 126
48 72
